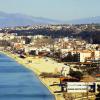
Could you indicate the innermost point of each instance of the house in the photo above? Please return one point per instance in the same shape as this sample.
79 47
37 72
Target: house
97 77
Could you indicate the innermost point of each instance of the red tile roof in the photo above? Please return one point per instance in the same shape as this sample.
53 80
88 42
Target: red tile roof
98 75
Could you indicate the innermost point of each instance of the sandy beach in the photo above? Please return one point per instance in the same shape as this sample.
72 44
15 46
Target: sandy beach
39 65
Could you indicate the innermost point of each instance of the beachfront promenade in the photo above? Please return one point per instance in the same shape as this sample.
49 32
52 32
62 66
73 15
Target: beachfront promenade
20 83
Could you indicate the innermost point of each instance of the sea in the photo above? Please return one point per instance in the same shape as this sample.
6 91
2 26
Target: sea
19 83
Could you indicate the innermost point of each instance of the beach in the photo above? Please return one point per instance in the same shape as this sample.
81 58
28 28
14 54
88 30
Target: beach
39 65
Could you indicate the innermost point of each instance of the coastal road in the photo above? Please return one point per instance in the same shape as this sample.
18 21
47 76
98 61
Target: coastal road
20 83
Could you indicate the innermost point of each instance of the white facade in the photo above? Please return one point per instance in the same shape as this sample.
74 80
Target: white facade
73 87
65 71
97 55
84 55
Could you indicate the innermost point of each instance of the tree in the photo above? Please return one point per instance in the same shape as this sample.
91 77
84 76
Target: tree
27 40
75 57
68 58
32 52
76 74
98 95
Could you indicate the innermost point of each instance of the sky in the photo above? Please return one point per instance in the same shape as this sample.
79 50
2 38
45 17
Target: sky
54 9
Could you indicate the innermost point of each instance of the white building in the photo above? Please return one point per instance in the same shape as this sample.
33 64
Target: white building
97 55
84 55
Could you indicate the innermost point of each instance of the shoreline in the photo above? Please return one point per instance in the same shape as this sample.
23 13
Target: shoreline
46 82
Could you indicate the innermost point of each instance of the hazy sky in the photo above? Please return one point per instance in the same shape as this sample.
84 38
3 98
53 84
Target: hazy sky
55 9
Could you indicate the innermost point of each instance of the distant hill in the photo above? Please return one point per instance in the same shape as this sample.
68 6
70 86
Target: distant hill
90 20
9 20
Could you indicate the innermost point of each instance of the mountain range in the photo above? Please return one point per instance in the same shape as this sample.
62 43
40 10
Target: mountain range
89 20
10 20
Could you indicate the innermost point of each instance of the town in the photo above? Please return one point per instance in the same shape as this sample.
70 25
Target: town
62 54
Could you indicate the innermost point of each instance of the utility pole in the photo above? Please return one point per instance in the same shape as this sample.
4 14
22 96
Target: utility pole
87 91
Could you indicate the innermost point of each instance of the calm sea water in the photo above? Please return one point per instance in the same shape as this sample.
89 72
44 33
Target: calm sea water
19 83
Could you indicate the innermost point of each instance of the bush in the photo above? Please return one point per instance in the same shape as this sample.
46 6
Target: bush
49 75
76 74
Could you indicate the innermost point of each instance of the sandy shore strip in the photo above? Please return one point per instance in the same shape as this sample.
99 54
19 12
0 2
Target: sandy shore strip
39 65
